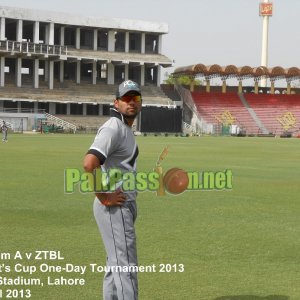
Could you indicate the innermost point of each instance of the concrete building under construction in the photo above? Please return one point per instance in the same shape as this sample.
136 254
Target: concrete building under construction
70 65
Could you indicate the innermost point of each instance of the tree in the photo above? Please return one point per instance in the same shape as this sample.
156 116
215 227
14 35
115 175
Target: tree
296 84
182 79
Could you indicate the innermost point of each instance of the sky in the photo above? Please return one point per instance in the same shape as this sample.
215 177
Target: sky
210 32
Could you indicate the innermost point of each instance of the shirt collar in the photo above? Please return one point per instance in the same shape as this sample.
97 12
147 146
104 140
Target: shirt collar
116 114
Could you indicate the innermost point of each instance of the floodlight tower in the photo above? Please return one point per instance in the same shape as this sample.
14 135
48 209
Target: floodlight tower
266 11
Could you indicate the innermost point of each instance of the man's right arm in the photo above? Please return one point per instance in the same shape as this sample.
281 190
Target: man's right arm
90 163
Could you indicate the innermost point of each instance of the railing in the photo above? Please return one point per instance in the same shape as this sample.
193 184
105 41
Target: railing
60 122
197 122
189 127
28 47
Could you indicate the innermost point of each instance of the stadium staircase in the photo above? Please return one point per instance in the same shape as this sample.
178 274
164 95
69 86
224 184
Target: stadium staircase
170 91
60 122
85 122
254 115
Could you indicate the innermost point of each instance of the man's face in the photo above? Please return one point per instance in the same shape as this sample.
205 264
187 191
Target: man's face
129 105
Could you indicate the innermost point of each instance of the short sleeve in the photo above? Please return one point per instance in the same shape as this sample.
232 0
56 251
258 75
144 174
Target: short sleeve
105 143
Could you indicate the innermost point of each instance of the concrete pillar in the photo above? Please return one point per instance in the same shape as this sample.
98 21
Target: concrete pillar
19 106
288 88
19 30
36 107
18 72
240 88
62 36
207 88
272 87
94 72
223 86
36 32
95 42
51 74
84 109
139 121
61 71
78 71
158 75
68 108
192 86
142 75
110 73
143 42
77 38
1 105
2 71
111 40
159 46
256 87
52 108
100 109
127 41
51 34
2 29
46 71
36 64
126 71
46 41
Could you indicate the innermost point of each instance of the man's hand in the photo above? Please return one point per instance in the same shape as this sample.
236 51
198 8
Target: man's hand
112 199
91 162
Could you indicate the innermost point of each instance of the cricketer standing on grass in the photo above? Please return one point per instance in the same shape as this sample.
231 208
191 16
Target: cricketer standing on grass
115 212
4 129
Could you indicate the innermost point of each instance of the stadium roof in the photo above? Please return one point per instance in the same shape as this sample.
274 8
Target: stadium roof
78 20
240 73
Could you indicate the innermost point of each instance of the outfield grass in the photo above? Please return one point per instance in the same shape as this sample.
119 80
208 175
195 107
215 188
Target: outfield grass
242 244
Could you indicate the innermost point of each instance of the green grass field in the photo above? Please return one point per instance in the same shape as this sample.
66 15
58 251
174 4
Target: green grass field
242 244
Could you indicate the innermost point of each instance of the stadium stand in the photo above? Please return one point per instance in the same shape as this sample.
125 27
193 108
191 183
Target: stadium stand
278 112
251 114
252 110
218 108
